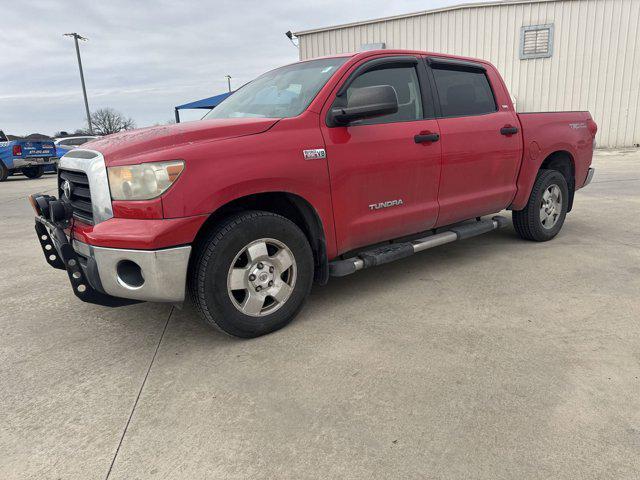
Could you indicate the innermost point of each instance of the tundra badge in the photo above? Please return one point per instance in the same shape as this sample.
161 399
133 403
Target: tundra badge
390 203
314 154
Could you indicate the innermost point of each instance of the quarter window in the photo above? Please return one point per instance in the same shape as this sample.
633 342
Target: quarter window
404 81
463 92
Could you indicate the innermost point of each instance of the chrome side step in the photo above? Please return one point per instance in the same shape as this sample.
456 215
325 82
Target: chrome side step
395 251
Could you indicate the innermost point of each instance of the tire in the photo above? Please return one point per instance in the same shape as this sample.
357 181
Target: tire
544 215
229 257
33 172
4 172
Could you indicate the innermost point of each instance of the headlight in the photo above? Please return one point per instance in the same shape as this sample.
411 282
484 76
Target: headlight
144 181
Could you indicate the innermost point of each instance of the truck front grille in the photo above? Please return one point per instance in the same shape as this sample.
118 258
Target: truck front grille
80 194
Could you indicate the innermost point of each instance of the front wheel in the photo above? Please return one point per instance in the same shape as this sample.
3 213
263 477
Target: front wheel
544 215
33 172
252 274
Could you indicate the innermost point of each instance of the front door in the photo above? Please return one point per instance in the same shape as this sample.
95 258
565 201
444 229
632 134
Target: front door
385 170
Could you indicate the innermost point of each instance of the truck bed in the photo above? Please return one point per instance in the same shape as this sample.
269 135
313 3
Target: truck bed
546 132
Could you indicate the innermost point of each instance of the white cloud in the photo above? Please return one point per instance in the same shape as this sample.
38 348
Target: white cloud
144 57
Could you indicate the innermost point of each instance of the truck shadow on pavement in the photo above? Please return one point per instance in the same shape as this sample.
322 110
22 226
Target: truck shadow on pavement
22 178
469 261
423 266
341 293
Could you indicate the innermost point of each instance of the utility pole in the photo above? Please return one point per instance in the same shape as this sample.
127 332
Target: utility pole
229 82
77 37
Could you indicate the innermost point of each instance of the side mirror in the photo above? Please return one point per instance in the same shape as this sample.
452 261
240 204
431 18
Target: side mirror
366 102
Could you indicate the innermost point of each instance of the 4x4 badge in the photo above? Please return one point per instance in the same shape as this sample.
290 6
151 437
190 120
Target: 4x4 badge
314 154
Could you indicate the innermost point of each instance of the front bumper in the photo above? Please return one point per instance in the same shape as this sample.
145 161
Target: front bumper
114 276
148 275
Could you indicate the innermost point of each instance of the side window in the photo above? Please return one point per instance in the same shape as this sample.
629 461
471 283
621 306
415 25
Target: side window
463 92
404 80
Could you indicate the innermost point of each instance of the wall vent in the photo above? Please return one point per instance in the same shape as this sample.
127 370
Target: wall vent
536 41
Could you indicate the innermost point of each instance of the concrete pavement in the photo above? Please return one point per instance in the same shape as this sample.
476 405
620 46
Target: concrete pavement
491 358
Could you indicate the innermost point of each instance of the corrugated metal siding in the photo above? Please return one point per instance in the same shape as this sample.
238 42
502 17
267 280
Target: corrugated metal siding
595 64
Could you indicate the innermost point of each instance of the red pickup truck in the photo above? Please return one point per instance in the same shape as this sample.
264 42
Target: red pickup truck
316 169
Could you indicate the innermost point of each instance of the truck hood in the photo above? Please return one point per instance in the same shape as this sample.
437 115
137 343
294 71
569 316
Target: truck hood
132 143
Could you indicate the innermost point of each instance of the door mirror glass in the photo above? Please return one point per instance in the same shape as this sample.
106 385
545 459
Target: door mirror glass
366 102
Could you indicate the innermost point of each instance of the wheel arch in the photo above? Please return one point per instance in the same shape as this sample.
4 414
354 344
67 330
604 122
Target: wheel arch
563 162
289 205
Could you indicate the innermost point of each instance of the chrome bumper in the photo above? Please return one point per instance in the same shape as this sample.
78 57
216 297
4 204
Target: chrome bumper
148 275
32 162
589 177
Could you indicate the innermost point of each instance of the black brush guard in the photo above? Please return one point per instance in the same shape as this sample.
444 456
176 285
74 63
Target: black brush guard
59 253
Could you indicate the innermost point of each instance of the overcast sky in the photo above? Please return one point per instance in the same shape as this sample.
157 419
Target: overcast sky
145 57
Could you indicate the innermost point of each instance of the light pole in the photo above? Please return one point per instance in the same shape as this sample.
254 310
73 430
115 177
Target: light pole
77 37
229 82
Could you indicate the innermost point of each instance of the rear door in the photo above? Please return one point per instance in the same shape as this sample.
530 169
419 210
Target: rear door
480 140
384 181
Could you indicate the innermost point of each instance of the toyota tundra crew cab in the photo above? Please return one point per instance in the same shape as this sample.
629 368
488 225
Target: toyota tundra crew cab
316 169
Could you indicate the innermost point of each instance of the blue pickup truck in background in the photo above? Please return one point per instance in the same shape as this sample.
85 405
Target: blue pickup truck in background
31 157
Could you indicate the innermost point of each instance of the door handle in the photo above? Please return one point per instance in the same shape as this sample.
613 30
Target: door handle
426 137
508 130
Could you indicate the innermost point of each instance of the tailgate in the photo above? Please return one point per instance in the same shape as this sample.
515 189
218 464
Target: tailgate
38 149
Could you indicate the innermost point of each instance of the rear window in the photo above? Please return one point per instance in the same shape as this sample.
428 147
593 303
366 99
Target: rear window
464 92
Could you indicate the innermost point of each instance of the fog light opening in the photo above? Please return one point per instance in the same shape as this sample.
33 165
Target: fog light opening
129 274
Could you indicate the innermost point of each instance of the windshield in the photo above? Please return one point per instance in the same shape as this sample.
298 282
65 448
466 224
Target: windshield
281 93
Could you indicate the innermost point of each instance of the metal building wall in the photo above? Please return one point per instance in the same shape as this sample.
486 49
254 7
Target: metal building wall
595 64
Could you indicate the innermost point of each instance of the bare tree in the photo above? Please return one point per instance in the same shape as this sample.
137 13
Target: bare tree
107 120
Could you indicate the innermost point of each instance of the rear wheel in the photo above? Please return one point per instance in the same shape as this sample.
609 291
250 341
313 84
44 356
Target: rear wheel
544 215
33 172
4 172
252 274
